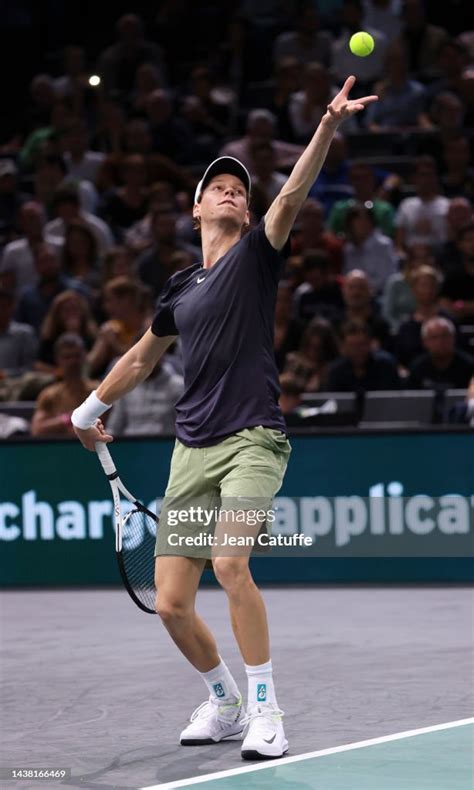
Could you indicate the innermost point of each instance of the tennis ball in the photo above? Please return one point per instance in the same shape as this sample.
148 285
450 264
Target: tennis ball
361 44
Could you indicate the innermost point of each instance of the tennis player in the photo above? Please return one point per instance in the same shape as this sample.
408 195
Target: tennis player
231 441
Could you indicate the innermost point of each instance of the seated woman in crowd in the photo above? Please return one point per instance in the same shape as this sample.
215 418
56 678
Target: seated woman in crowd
80 256
398 301
69 312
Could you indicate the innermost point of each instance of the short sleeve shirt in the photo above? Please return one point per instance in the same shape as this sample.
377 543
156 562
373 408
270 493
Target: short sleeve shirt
224 316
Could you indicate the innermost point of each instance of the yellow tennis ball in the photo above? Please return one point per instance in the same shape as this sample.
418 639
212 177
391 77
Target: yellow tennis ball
361 44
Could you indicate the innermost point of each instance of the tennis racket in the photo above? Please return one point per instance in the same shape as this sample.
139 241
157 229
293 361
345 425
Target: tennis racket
135 535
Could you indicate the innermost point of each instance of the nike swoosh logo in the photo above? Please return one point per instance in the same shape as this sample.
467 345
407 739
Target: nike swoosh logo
271 739
200 279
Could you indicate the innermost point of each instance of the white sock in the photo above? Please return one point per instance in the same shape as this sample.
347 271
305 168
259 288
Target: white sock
260 683
220 683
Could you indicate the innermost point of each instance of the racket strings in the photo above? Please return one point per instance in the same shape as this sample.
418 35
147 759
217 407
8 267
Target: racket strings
138 562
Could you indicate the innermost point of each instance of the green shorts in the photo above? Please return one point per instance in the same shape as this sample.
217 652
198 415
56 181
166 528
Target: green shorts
242 473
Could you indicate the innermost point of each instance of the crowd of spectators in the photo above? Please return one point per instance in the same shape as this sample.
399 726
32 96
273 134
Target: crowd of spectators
97 179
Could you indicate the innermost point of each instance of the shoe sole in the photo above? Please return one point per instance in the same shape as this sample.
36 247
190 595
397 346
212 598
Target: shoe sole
252 754
207 741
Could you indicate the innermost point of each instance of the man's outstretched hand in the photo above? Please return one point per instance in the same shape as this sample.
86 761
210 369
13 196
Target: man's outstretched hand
90 436
342 107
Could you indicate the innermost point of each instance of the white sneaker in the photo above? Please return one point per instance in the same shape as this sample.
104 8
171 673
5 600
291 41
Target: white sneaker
212 721
264 737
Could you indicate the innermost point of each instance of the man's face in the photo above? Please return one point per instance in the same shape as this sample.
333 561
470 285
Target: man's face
356 292
47 265
459 213
224 199
426 179
439 342
356 348
31 220
67 211
466 245
164 229
70 359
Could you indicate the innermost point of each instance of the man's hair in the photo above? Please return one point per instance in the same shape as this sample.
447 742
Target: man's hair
355 212
437 319
426 271
65 193
52 160
124 286
68 340
425 161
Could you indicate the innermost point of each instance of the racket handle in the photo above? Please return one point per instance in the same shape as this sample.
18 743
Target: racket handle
105 458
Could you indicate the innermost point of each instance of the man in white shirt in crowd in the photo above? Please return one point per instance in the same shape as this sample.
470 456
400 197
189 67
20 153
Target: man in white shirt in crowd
66 205
367 249
422 219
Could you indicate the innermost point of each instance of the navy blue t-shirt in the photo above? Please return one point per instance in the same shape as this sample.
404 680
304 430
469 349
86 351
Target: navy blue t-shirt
224 316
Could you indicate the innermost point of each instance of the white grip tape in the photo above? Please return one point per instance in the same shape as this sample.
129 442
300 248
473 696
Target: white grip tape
105 458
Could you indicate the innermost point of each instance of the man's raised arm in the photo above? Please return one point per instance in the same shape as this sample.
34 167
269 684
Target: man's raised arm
281 215
131 369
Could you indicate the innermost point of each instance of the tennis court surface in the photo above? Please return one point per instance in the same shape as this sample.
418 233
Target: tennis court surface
376 685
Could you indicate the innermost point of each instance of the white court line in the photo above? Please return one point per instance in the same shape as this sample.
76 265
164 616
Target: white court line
308 755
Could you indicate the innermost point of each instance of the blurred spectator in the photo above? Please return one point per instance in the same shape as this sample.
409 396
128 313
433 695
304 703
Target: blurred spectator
287 331
207 110
82 163
11 200
66 207
309 365
398 302
80 256
51 174
360 308
451 58
466 93
110 129
362 180
458 290
421 39
366 70
17 269
154 266
445 117
123 302
147 79
367 249
43 97
401 99
171 134
463 412
449 255
425 284
290 394
124 206
422 219
73 84
69 312
442 366
35 300
458 174
307 43
267 181
360 368
318 294
117 262
332 183
261 127
18 342
383 15
46 140
309 234
307 106
118 64
161 198
149 410
56 403
276 93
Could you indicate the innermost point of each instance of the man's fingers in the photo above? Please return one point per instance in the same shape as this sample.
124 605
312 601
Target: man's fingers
349 83
367 99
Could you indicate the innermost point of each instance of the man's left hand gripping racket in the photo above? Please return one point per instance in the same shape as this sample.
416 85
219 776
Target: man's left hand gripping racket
134 538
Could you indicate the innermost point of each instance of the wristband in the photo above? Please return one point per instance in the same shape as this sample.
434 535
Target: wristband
86 414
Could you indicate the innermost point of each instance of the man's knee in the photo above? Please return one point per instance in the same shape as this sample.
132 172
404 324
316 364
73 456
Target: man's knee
172 610
232 572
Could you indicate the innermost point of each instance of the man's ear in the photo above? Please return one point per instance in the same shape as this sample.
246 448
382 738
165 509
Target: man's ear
197 211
